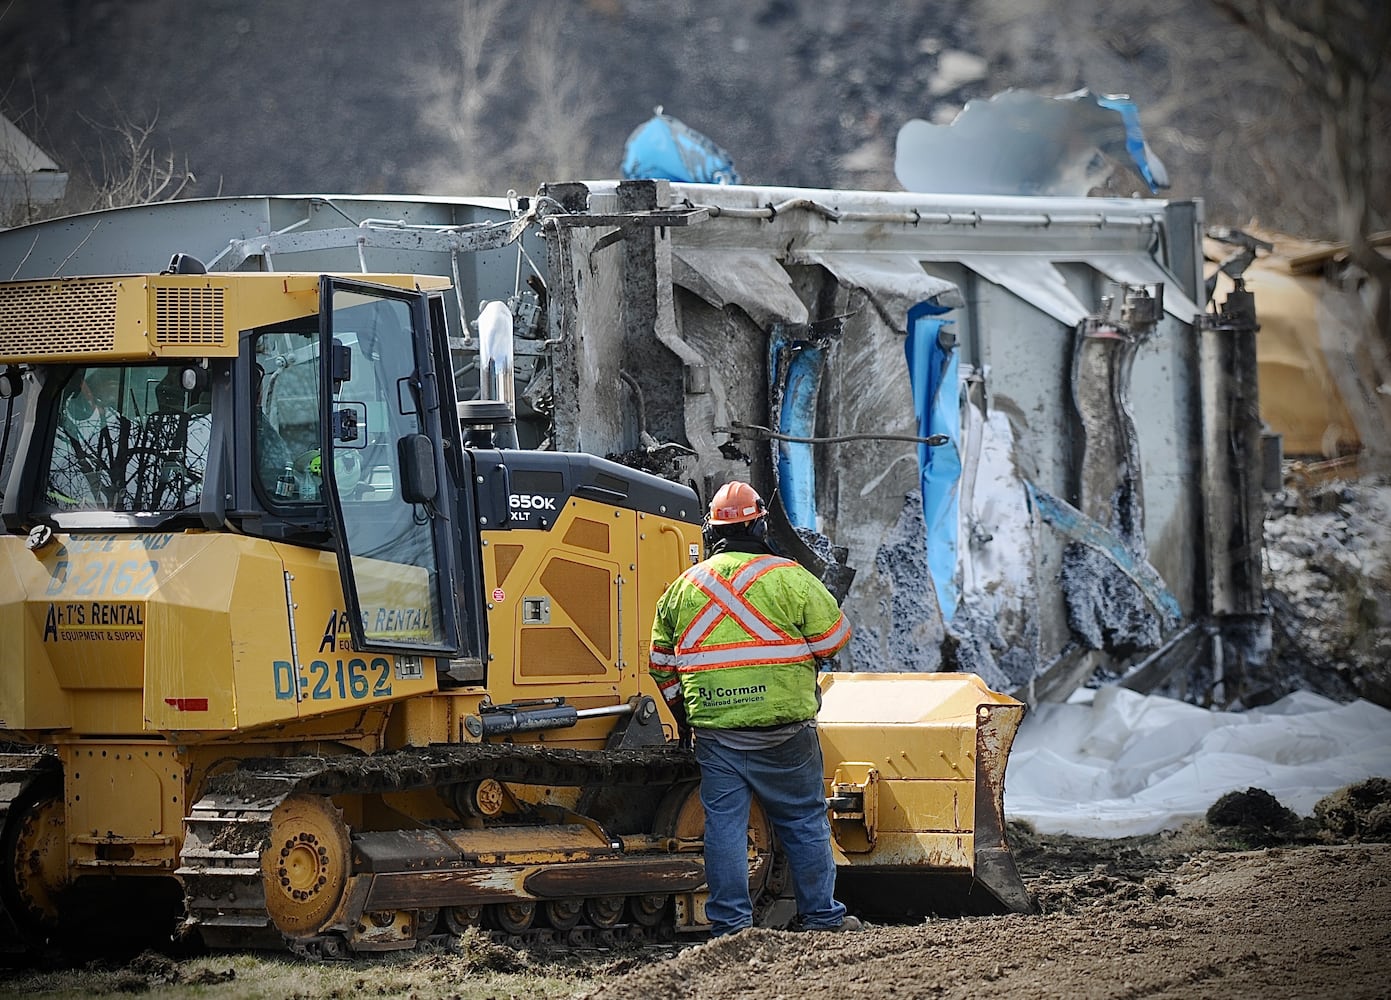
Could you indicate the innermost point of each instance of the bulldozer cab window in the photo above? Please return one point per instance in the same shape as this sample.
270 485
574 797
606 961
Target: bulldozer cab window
285 434
129 439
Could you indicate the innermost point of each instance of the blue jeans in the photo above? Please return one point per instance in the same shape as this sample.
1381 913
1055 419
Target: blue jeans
788 782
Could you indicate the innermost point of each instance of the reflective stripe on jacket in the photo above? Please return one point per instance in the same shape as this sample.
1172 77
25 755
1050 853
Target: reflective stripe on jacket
737 638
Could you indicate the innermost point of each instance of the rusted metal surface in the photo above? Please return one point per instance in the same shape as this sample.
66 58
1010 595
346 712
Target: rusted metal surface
530 844
403 850
398 877
621 878
504 883
994 737
384 931
995 871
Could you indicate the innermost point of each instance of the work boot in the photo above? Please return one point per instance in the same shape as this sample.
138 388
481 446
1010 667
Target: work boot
848 924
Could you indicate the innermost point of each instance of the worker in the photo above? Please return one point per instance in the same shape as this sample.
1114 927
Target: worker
736 644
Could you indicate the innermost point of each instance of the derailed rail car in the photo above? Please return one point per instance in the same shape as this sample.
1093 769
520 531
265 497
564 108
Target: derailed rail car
1095 505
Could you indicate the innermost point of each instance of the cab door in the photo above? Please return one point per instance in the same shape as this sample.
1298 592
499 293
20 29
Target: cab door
383 469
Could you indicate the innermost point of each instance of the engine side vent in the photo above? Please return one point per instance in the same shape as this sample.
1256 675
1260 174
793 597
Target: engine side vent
44 319
587 534
189 316
584 592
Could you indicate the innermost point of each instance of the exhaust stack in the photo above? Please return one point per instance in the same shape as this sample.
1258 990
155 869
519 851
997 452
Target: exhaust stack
491 420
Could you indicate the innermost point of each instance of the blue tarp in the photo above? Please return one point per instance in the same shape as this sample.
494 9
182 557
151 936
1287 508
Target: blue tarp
804 361
933 372
1149 165
663 148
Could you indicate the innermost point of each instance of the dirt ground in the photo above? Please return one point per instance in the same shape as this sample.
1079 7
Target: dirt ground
1175 915
1274 923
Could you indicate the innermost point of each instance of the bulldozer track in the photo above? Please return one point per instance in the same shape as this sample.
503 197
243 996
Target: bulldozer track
229 828
19 772
224 896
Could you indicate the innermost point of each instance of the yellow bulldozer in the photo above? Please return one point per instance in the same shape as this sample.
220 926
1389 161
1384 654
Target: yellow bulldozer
292 650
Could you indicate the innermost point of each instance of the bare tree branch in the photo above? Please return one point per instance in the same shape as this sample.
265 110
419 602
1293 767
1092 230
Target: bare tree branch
133 174
64 262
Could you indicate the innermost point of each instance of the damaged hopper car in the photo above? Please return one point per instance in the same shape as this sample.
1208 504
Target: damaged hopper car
339 639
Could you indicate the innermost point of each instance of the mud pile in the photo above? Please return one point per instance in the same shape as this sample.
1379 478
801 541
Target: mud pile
1176 914
1358 812
1355 813
1254 814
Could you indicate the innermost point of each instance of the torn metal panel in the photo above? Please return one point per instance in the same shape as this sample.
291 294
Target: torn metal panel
1109 481
679 315
1017 142
898 626
584 357
894 282
1072 522
863 484
1034 279
1105 610
755 282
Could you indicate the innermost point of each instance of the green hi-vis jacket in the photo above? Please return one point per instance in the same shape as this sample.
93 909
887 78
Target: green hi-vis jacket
737 638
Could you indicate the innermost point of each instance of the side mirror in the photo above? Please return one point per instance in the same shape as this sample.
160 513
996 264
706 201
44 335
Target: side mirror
415 454
349 422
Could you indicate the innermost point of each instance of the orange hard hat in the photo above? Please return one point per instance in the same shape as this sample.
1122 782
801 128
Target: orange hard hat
736 503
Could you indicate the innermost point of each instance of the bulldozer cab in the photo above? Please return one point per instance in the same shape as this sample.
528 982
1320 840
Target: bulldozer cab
306 410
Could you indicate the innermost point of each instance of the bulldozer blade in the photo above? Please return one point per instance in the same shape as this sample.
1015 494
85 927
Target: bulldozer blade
916 764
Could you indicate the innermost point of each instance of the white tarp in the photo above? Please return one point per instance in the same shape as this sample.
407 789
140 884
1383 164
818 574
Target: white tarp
1130 764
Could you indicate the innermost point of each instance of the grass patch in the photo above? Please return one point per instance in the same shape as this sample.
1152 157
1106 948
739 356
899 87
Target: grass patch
471 972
